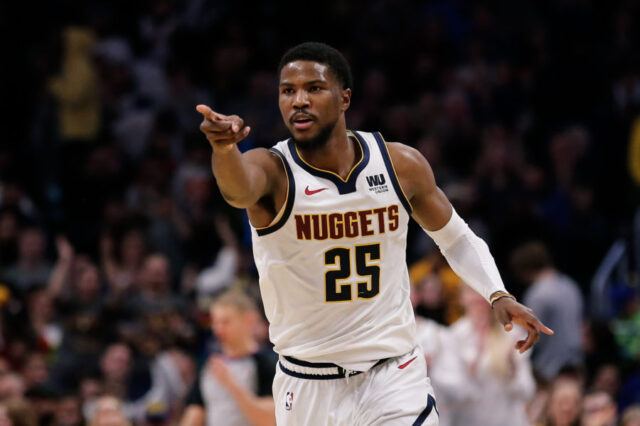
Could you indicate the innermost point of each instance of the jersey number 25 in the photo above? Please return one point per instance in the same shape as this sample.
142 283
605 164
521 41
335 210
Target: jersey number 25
341 257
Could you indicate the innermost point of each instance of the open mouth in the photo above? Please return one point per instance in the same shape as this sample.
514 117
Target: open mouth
302 122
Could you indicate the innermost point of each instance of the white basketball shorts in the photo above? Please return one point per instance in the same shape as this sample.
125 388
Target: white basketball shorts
394 392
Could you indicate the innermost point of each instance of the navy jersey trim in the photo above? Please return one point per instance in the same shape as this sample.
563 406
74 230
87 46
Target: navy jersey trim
285 370
302 363
291 195
431 404
384 151
344 186
342 373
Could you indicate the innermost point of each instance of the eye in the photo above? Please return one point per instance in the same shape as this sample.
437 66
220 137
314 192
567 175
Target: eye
315 89
287 91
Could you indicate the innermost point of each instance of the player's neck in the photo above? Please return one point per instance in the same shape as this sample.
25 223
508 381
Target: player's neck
338 155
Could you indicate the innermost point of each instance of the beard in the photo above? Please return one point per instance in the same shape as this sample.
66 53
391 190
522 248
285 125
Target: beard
318 141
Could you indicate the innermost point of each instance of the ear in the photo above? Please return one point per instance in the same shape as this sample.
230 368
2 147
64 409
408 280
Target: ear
345 99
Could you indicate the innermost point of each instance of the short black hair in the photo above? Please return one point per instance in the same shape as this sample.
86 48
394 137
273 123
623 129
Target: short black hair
324 54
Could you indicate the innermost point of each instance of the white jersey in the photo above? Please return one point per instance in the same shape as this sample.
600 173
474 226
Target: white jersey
332 267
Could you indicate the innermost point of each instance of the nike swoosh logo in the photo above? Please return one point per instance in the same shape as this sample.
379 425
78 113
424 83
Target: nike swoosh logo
311 192
407 363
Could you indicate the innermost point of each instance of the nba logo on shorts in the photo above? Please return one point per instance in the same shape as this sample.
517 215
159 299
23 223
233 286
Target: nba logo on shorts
288 403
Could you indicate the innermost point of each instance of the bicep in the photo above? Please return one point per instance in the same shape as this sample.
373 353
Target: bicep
431 208
248 177
261 168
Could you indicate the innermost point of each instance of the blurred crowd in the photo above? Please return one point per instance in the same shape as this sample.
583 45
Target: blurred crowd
114 238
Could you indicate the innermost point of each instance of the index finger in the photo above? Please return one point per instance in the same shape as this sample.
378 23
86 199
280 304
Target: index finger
535 322
207 112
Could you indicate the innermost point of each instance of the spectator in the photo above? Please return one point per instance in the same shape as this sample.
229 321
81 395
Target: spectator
11 386
108 412
162 380
21 413
430 300
35 371
234 387
565 403
218 277
481 378
118 379
557 301
599 409
32 268
121 267
631 416
43 319
68 411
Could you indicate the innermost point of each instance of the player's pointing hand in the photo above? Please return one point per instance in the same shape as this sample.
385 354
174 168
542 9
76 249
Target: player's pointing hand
222 131
508 312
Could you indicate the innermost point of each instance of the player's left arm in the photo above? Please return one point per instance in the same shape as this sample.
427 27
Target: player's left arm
467 254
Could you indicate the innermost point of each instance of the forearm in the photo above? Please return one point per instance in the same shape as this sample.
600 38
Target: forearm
234 176
260 411
469 256
58 277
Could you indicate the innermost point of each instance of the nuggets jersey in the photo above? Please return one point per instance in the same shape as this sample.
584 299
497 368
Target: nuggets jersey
333 274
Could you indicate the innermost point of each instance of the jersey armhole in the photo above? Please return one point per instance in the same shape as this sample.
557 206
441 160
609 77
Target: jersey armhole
285 211
386 156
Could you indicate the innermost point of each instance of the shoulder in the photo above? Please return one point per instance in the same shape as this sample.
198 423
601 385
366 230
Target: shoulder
413 170
264 156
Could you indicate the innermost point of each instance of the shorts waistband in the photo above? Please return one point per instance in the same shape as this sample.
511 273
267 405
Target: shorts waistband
317 370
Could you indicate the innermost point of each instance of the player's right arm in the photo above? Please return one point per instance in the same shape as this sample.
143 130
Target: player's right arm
243 179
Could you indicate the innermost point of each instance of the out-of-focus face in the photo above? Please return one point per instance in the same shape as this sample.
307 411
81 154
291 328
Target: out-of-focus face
11 386
566 399
88 283
8 227
156 273
607 379
431 291
631 416
116 362
197 189
68 411
90 388
31 245
598 409
311 102
475 306
230 325
108 413
41 305
35 370
133 247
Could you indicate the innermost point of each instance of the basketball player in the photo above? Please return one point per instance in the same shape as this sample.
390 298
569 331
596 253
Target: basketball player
329 209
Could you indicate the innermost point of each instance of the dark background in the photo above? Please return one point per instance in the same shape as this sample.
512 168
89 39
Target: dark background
524 110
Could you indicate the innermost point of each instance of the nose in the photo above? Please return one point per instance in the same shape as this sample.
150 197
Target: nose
301 99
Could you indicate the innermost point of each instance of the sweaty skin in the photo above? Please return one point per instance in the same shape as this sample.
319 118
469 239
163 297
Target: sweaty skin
313 103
